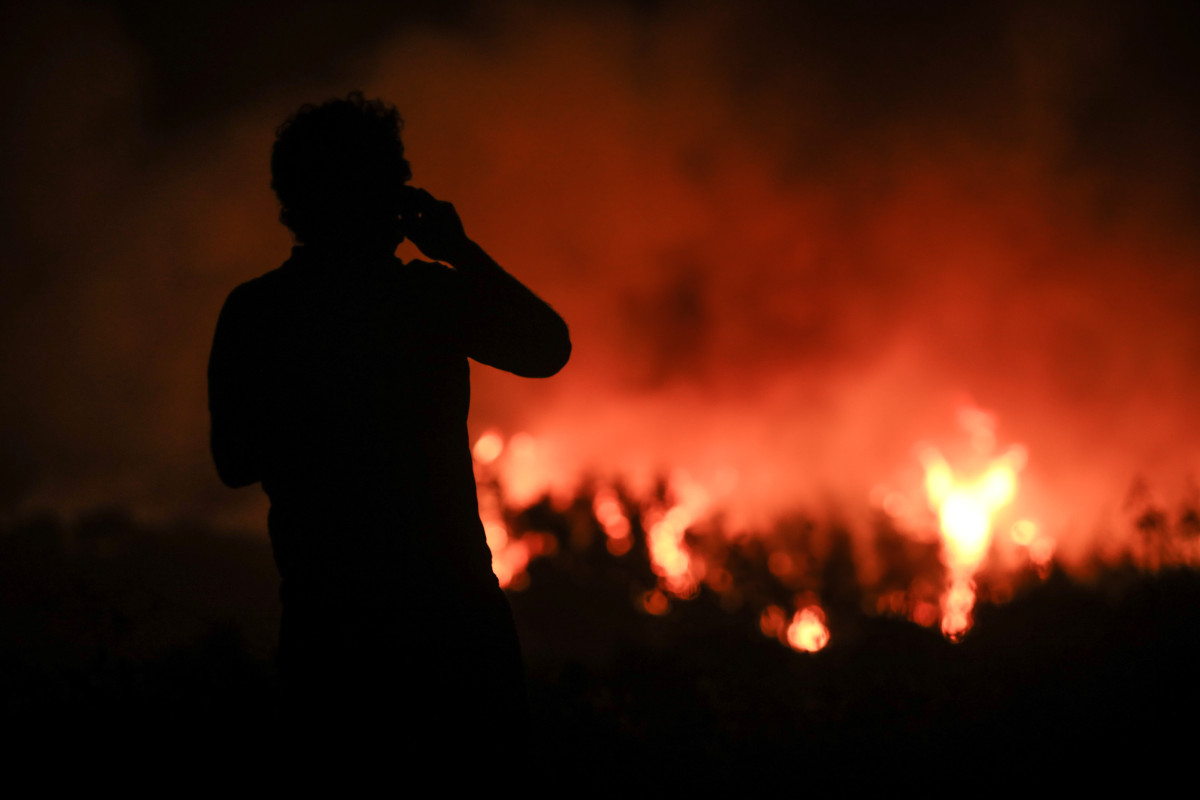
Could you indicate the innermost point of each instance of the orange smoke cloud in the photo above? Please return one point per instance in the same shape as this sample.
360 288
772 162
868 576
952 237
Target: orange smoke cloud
788 252
782 333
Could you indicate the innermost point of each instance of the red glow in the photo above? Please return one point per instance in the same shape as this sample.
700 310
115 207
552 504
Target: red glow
488 447
925 614
656 603
772 622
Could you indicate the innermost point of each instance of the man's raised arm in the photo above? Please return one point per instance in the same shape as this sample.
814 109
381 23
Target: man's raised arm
509 327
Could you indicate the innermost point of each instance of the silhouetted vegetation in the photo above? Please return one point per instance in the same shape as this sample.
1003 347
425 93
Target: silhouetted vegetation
162 639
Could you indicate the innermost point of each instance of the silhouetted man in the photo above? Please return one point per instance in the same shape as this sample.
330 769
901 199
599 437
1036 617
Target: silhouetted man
340 381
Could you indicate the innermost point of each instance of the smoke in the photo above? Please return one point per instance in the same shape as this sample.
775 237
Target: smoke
790 246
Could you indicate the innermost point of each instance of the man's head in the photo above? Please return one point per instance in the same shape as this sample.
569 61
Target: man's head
338 169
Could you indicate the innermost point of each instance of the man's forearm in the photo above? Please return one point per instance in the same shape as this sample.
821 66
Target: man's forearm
518 331
470 259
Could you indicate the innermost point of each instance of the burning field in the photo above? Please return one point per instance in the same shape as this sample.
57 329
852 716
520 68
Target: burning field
879 435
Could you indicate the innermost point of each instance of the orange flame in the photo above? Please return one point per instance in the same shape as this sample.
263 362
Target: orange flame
510 556
966 509
611 516
678 572
669 557
808 631
966 500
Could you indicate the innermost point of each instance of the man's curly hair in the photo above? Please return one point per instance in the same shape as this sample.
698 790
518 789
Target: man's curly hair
336 167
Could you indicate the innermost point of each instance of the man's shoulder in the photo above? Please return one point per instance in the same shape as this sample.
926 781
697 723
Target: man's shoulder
259 287
291 278
249 299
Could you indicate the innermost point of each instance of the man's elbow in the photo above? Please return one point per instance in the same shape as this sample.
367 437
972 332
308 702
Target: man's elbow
552 359
236 477
235 468
560 354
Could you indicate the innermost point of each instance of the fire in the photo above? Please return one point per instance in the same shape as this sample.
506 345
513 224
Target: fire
1023 531
670 558
677 526
808 631
607 507
510 555
966 509
957 606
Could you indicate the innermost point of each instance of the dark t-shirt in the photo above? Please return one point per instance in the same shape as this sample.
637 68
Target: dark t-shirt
343 385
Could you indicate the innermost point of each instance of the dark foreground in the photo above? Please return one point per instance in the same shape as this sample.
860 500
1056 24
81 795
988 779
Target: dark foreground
125 643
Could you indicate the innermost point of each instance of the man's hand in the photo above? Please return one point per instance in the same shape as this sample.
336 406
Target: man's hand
433 226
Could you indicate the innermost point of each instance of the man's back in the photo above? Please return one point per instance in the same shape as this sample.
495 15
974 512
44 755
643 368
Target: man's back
352 382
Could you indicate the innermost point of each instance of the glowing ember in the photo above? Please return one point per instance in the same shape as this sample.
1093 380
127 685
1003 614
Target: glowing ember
925 613
488 447
668 554
607 508
656 603
808 631
670 558
773 623
957 605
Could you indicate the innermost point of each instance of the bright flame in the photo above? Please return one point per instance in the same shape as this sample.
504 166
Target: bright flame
1023 532
966 510
669 556
510 556
678 573
957 605
808 631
